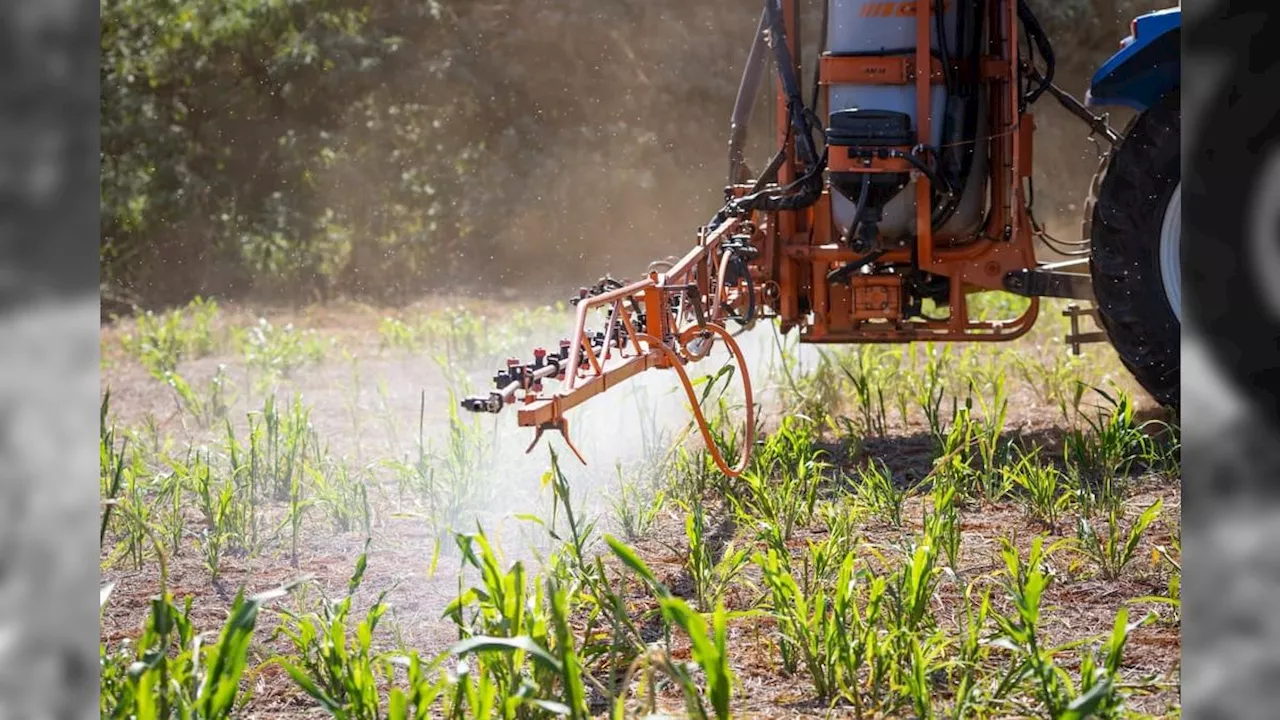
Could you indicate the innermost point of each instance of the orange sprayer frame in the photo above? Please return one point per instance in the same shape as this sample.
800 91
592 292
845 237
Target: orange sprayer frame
671 319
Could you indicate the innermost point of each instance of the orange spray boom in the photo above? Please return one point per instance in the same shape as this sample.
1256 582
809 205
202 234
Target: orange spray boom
667 320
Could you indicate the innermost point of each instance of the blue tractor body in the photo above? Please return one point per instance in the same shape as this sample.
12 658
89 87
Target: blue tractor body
1147 66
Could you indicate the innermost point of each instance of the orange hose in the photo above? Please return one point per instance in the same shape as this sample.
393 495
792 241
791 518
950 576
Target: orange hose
703 425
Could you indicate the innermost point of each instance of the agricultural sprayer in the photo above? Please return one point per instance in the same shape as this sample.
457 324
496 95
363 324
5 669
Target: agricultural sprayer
898 190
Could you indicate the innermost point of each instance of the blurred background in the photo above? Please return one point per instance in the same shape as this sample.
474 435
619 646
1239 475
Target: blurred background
382 150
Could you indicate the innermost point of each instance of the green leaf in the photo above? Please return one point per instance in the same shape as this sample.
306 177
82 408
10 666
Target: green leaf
485 643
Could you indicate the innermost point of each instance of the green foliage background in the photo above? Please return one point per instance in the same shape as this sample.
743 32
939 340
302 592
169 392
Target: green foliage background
299 149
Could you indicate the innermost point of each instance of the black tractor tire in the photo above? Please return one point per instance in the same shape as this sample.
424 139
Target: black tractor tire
1233 234
1123 219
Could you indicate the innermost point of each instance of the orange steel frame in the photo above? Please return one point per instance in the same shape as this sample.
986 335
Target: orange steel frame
804 242
798 248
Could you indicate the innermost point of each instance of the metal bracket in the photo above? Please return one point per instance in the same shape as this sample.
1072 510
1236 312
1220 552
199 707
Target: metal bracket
1051 281
1075 338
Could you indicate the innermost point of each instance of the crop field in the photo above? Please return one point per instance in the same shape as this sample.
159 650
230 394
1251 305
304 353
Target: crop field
298 521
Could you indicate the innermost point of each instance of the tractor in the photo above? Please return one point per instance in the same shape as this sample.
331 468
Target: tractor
900 187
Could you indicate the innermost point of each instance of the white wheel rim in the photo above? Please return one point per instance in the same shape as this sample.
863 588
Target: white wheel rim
1264 258
1171 252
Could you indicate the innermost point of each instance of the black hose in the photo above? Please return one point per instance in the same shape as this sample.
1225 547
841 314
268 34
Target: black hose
859 207
822 49
1036 34
743 271
790 84
843 272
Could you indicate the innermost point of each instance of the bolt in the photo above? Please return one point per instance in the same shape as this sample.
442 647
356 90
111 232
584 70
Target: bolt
993 268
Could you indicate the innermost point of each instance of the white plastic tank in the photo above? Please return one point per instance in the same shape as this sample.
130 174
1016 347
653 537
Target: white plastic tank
877 27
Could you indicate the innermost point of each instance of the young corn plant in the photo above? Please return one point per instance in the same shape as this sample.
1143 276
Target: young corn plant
114 465
1044 489
340 675
206 406
912 586
171 672
1099 693
942 523
1113 442
971 653
1172 557
160 342
709 648
229 520
780 491
876 491
1117 546
635 507
832 634
869 375
341 494
274 353
397 335
711 576
991 453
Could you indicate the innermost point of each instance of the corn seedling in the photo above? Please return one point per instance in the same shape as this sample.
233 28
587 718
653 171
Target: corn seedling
869 374
709 648
780 490
942 523
1114 550
1113 442
397 335
276 352
1043 489
711 576
207 406
971 652
170 672
877 492
636 508
337 673
342 495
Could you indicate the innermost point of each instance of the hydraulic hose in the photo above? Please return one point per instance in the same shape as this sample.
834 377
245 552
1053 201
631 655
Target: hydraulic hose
1036 34
859 207
790 83
704 427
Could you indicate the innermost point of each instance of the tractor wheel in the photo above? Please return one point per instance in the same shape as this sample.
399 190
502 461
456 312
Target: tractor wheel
1133 220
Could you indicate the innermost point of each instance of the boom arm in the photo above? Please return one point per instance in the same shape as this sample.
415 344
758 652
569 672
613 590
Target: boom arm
666 320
